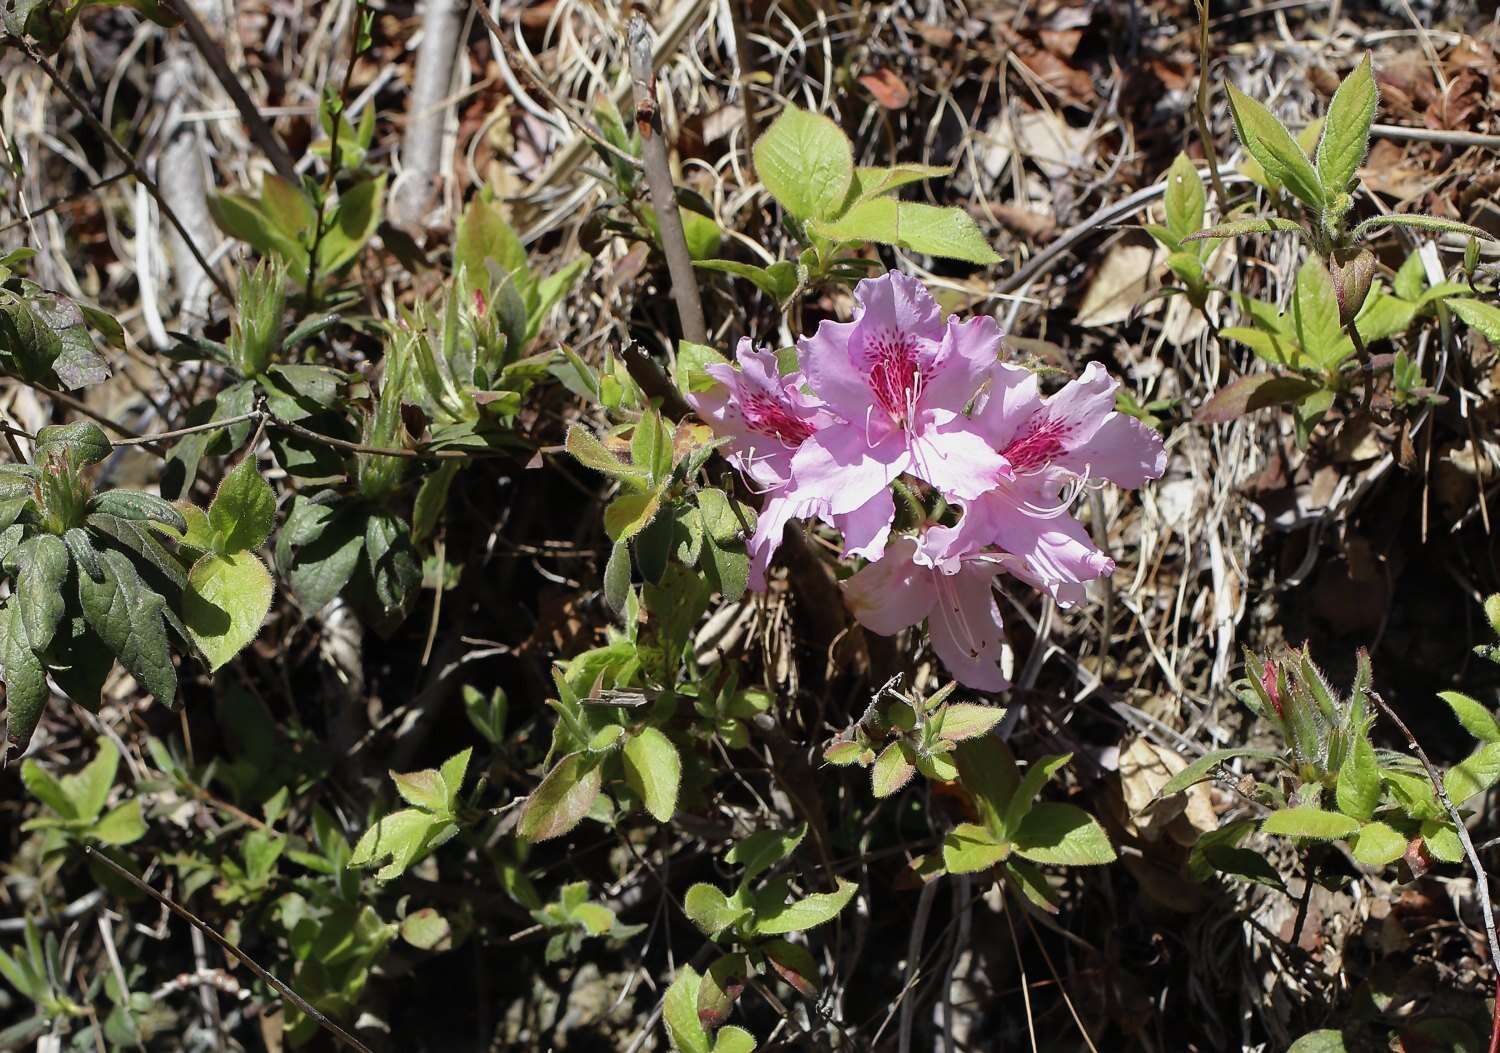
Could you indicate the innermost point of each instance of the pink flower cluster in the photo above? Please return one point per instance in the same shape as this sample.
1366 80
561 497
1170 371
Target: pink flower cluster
899 391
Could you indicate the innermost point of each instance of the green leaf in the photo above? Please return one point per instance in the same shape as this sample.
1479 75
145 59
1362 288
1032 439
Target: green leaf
1268 141
1377 844
85 440
136 506
1346 129
1474 774
562 799
876 219
427 930
1443 840
873 182
41 785
1432 223
592 453
777 280
1476 719
968 720
43 561
709 909
988 771
629 514
653 769
122 826
1324 1041
88 790
764 849
1201 768
127 615
1240 227
806 163
423 789
1273 348
679 1011
733 1039
1315 315
1484 317
805 913
318 548
892 770
1185 198
1064 835
1358 788
720 988
395 568
243 509
1383 317
400 837
227 599
950 233
969 847
595 918
1310 822
351 224
1022 801
483 234
87 666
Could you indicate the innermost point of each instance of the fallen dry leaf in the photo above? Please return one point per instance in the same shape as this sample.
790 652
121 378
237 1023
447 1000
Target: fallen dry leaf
888 88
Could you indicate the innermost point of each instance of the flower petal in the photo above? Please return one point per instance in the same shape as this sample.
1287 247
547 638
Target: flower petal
969 352
957 460
892 593
866 528
1122 450
965 627
840 467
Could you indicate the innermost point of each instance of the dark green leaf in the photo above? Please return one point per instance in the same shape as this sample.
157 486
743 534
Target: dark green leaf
85 440
39 587
134 505
127 615
26 690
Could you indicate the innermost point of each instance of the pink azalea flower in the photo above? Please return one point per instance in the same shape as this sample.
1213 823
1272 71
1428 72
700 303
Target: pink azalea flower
1055 447
900 379
766 417
918 579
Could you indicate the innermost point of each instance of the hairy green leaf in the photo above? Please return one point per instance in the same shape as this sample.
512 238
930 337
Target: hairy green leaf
806 163
243 509
127 615
1268 141
653 769
227 599
1346 129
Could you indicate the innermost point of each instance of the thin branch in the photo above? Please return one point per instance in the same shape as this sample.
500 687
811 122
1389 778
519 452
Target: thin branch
124 157
202 926
659 180
504 54
260 129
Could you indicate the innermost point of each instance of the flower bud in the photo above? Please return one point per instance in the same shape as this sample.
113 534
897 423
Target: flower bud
256 332
1352 272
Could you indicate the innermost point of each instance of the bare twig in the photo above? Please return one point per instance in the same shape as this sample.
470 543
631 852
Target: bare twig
123 156
260 129
659 180
427 111
1200 109
202 926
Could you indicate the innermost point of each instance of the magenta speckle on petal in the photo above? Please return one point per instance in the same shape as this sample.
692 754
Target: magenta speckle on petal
895 376
1038 445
